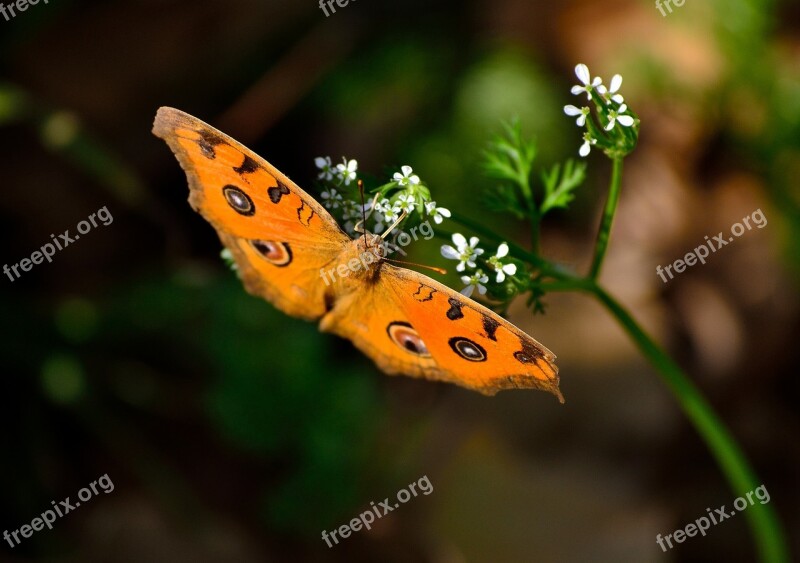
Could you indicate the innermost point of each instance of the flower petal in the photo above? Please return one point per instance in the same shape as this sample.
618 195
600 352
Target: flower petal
585 149
616 83
572 110
450 253
502 250
459 241
625 120
582 72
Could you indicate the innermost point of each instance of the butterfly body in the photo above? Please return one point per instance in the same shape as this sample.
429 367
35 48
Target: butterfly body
283 242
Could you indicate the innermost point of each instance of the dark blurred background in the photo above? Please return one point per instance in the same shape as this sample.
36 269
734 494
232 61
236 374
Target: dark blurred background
234 433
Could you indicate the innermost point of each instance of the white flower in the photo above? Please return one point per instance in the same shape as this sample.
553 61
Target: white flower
346 171
390 212
463 252
351 209
614 117
384 211
586 147
407 202
611 94
582 72
582 113
331 199
406 178
499 267
325 167
438 213
474 281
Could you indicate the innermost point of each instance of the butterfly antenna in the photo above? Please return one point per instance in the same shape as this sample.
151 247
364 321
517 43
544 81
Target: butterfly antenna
363 210
358 226
397 222
434 268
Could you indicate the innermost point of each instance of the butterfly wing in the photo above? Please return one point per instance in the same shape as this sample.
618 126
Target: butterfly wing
413 325
279 236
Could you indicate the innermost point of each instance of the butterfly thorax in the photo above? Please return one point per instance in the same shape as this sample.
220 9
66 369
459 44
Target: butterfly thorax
358 263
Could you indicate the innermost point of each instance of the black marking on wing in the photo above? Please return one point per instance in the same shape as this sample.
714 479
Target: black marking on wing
426 295
248 166
276 193
207 142
307 220
529 353
490 326
468 349
454 313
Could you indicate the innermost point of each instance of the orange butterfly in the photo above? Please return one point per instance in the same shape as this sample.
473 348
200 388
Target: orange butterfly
281 238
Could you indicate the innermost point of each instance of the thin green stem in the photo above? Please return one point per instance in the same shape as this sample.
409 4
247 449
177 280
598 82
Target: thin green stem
763 521
767 531
604 232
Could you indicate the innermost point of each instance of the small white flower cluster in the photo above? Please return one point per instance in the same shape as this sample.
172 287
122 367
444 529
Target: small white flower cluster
466 252
411 197
609 101
343 173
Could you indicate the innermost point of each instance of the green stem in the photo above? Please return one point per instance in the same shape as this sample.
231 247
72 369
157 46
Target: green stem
766 528
603 234
763 521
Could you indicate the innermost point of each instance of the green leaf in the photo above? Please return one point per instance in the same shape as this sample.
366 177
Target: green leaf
559 184
504 199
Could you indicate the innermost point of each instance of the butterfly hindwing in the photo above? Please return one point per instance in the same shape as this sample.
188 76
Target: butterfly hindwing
411 324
